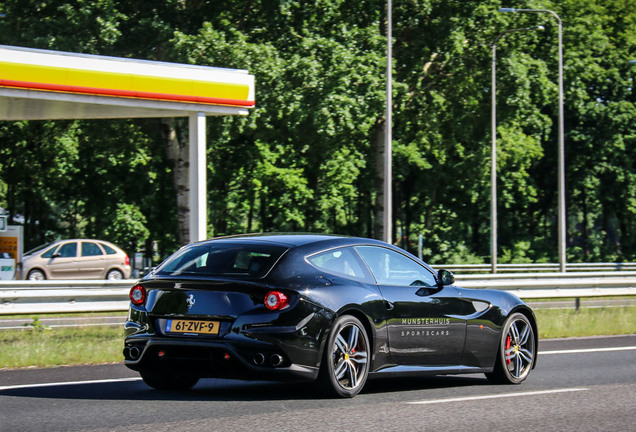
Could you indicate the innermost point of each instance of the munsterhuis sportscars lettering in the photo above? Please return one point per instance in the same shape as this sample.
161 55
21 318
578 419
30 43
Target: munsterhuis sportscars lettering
426 321
429 325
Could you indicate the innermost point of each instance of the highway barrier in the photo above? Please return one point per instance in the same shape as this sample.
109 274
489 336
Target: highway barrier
43 297
540 267
63 296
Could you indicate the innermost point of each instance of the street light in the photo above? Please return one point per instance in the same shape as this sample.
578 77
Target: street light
388 145
493 158
561 140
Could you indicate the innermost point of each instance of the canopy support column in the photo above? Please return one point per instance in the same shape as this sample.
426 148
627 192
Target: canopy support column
198 178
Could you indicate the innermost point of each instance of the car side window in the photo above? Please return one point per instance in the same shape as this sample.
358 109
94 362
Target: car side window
392 268
340 262
49 253
68 250
109 250
91 249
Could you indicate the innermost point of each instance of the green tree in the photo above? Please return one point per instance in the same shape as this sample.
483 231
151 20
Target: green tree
305 157
128 228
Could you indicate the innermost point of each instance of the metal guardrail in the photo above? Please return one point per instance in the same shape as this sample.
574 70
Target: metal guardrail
42 297
540 267
553 286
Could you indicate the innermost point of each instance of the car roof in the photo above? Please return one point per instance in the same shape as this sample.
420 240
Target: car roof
303 243
284 239
57 242
292 240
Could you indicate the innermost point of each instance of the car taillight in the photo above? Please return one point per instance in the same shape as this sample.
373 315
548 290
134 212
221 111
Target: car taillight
138 295
127 260
276 300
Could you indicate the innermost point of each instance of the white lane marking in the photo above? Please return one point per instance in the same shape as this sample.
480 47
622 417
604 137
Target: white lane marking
588 350
475 398
68 383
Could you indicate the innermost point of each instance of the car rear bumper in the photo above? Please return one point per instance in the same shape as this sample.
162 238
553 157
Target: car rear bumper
214 359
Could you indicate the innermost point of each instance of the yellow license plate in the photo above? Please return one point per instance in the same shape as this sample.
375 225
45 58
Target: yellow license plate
192 327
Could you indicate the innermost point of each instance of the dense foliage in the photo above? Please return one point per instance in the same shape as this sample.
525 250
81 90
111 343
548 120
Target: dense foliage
305 158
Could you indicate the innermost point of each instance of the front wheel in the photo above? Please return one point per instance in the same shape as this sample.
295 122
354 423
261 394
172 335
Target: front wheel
168 380
345 365
36 275
516 354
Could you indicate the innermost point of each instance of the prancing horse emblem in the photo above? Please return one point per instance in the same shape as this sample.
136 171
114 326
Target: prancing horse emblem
190 301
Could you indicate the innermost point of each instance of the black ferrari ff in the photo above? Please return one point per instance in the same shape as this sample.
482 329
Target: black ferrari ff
323 308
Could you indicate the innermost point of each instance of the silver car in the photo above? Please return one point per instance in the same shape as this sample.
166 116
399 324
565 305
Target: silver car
76 259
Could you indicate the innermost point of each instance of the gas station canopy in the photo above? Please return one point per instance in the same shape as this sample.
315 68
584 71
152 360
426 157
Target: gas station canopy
53 85
49 85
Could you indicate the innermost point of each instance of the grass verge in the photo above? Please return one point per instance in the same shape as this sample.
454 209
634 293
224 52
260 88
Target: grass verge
560 323
42 347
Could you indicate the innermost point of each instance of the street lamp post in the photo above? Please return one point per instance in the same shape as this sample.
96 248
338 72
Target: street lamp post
388 145
561 139
493 157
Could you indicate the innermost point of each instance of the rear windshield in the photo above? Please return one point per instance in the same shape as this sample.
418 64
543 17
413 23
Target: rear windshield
222 259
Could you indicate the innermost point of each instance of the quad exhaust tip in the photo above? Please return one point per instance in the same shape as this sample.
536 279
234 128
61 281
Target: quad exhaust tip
135 353
132 353
259 359
274 360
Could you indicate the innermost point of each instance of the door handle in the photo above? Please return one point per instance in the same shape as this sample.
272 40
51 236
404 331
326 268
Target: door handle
389 305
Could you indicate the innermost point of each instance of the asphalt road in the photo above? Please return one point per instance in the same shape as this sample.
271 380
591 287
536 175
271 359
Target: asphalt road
579 385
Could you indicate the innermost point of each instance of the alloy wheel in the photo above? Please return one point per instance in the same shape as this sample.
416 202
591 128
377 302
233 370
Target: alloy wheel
519 348
350 353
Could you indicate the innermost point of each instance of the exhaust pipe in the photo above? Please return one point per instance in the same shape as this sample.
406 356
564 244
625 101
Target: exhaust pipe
134 353
276 360
259 359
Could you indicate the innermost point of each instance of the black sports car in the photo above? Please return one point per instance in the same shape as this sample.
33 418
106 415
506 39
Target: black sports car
318 307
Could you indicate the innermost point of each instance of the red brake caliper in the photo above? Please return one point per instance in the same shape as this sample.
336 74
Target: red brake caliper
508 344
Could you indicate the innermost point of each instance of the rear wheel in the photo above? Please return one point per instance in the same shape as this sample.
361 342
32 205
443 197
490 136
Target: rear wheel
345 365
114 275
168 380
516 351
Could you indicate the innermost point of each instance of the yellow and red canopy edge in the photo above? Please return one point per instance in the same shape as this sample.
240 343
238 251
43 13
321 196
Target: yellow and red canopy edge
107 76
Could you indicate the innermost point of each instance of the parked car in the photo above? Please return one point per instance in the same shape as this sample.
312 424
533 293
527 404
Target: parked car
330 309
76 259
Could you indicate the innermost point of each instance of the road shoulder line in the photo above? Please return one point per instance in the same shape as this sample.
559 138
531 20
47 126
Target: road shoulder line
498 396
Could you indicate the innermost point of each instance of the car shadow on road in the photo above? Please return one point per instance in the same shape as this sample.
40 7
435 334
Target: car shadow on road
414 383
229 390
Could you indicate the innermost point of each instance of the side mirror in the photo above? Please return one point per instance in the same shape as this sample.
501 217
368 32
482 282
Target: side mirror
446 277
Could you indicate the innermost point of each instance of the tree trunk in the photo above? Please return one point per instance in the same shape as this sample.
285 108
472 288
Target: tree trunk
178 153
